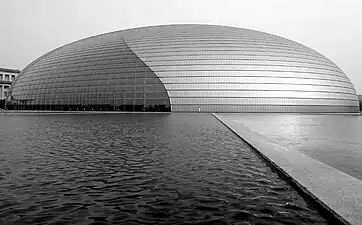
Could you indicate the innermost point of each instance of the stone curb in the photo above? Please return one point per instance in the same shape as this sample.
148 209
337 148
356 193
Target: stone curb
332 190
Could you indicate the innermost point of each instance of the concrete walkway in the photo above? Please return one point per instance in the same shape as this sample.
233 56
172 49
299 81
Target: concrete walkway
335 191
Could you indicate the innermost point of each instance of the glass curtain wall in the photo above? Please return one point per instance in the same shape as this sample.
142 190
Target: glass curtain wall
95 75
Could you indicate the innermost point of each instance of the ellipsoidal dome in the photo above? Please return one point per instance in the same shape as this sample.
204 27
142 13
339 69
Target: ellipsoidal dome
185 68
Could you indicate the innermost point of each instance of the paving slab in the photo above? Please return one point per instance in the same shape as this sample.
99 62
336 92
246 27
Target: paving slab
335 191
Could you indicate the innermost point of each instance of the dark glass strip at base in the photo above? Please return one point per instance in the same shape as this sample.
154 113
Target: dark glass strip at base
105 107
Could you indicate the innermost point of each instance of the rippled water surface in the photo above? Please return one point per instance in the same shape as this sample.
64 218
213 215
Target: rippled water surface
138 169
335 140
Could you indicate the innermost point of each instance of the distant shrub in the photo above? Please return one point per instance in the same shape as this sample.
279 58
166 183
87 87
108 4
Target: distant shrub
2 104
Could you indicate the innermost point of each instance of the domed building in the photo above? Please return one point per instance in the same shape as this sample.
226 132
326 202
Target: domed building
185 68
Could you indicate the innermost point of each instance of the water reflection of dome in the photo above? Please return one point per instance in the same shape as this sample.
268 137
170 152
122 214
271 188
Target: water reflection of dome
185 68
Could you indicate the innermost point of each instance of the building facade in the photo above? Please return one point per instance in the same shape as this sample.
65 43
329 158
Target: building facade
7 76
185 68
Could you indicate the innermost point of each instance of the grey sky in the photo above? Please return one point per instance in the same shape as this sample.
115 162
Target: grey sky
331 27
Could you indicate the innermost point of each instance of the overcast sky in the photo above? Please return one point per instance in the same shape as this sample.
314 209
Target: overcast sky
332 27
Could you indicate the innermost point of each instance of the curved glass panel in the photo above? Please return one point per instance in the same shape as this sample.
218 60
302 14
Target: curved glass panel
112 79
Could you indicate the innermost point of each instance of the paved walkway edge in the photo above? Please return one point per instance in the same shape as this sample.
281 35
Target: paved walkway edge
334 191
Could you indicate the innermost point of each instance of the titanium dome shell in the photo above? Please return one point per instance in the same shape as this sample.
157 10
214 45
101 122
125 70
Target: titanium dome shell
185 68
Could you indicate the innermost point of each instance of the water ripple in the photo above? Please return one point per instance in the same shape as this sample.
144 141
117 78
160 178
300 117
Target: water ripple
138 169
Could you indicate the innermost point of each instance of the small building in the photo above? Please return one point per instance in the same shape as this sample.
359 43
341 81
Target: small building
7 76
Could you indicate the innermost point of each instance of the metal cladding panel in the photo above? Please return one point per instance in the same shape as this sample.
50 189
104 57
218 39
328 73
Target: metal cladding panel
99 73
265 108
188 68
205 67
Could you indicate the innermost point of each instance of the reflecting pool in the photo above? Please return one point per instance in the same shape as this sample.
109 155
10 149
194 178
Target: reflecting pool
335 140
138 169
